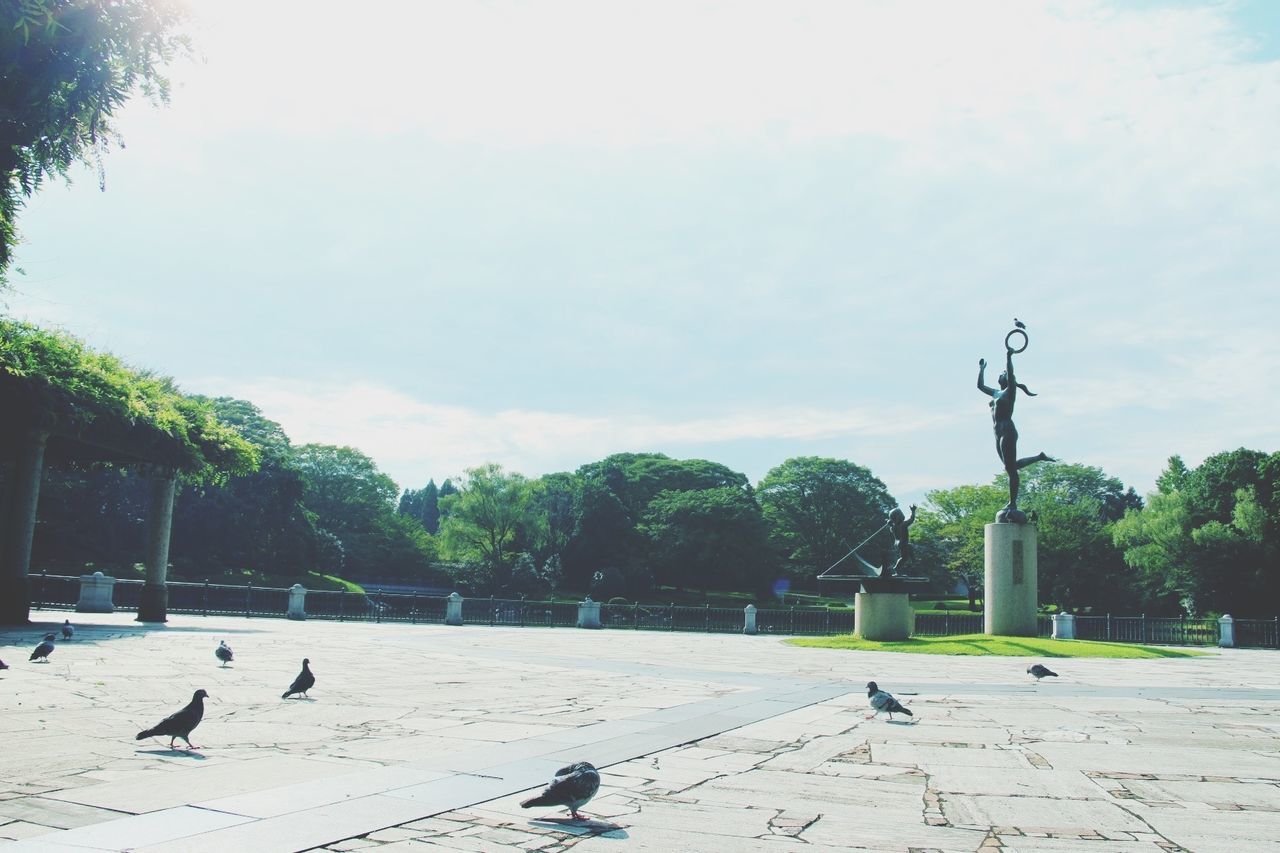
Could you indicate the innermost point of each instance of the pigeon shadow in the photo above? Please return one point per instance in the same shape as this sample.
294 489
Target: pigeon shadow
300 699
602 828
902 722
173 753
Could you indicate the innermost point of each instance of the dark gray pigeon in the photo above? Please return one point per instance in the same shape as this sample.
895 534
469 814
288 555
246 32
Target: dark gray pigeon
223 652
572 787
181 724
304 682
1039 671
3 665
68 630
42 651
881 700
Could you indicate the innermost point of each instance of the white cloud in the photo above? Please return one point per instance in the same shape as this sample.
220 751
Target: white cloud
413 440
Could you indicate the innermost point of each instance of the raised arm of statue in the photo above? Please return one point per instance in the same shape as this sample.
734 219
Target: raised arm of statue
982 384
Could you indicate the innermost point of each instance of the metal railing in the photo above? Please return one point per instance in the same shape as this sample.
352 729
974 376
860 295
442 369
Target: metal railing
61 592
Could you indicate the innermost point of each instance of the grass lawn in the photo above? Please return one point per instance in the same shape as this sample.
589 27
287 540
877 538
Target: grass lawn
981 644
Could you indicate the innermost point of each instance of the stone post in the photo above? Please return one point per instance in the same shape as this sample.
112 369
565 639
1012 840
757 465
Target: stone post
297 602
1010 593
1064 626
453 610
95 594
1226 631
749 619
17 526
589 613
154 603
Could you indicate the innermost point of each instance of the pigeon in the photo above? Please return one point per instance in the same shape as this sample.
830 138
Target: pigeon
1019 323
882 701
223 652
1039 671
572 787
304 682
42 651
3 665
68 630
181 724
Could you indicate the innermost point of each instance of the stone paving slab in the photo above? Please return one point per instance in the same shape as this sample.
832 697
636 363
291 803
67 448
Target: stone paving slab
427 737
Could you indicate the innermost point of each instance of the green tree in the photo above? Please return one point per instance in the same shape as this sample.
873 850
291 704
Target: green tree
355 502
485 523
66 66
1208 540
708 539
818 509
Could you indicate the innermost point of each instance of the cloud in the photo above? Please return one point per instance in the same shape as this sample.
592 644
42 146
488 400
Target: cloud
413 440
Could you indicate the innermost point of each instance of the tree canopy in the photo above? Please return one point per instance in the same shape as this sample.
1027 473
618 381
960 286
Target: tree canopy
66 66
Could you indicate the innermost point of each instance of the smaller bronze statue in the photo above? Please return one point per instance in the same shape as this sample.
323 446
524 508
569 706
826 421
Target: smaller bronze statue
898 524
1002 402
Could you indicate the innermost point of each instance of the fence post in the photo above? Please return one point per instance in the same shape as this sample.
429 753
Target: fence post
635 615
342 604
826 621
453 610
41 598
297 602
1226 631
749 619
204 598
671 616
588 613
792 620
1108 626
946 624
522 606
95 594
413 610
248 594
1144 627
706 619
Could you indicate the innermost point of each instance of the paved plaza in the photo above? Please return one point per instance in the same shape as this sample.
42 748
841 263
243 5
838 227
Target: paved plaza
426 737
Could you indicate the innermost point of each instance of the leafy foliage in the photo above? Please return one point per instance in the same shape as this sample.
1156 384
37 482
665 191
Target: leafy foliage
487 521
66 386
819 508
66 66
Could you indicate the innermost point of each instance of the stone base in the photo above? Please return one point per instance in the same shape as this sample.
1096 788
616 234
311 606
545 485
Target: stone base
15 600
882 615
153 605
1010 591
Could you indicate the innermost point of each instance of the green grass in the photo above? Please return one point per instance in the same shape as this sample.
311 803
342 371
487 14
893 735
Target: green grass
342 583
981 644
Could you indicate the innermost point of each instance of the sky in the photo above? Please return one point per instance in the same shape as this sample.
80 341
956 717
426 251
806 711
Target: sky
451 233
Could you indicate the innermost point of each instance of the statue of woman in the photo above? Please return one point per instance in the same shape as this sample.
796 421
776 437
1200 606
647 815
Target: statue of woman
1006 433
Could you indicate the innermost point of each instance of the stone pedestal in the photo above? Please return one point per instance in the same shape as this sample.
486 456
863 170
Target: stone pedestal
882 615
1010 590
453 609
749 619
297 602
1227 631
1064 626
95 594
589 613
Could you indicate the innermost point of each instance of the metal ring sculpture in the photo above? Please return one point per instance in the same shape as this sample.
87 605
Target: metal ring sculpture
1025 340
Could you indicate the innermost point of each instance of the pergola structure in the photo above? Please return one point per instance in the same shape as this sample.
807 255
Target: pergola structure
48 417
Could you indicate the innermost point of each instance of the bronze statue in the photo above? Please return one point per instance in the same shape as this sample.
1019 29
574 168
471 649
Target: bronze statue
898 524
1002 401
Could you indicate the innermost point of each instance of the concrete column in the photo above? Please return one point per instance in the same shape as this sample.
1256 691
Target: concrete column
1011 589
749 619
18 526
95 594
154 602
1064 626
589 613
297 602
1226 631
883 616
453 611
